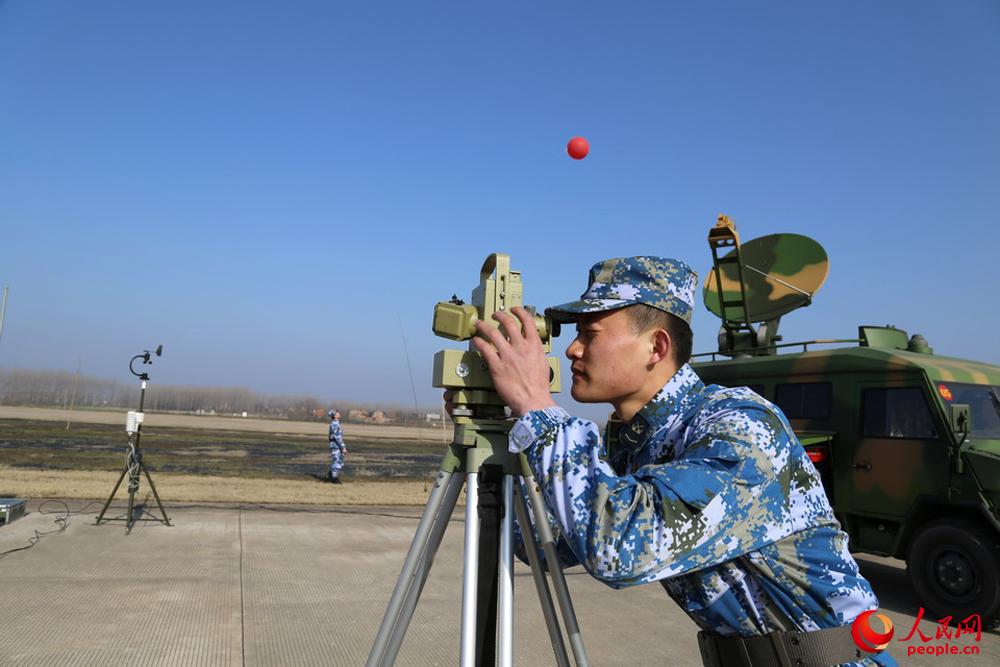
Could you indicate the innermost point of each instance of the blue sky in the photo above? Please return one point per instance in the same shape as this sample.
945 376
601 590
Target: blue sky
269 189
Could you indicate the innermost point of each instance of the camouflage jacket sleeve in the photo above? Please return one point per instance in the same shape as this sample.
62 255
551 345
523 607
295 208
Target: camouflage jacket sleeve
336 436
721 498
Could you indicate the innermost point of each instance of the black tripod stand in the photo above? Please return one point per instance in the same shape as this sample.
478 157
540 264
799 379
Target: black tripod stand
133 458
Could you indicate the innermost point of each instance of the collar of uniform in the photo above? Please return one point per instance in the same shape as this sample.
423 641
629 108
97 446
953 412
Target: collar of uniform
658 411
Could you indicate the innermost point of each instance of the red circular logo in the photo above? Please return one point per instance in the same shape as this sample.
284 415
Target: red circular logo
866 637
945 392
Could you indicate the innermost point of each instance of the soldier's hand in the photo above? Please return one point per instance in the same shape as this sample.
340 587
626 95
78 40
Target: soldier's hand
516 360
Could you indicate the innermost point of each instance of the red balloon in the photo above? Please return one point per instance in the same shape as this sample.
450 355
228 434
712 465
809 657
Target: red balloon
578 147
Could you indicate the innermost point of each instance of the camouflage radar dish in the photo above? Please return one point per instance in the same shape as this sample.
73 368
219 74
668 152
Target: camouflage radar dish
759 282
782 272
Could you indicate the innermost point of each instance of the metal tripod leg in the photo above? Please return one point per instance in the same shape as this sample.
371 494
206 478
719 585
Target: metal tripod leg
552 557
149 479
505 616
418 550
470 573
541 584
104 509
422 570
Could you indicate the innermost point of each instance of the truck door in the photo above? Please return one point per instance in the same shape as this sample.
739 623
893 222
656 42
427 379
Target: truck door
901 453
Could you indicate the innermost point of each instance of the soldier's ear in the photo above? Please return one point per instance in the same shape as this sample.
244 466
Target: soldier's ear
661 347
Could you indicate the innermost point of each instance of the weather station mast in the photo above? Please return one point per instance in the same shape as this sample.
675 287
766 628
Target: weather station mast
134 465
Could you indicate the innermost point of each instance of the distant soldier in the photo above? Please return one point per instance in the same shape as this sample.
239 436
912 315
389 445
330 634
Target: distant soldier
337 448
705 489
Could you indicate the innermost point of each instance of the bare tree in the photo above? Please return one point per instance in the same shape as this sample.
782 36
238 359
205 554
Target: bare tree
55 388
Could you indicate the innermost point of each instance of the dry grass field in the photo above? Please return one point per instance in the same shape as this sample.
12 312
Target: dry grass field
96 485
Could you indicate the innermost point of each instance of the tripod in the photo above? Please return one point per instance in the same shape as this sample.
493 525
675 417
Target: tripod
479 452
133 458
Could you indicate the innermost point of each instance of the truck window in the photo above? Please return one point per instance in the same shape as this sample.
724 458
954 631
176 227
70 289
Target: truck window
897 413
983 400
804 400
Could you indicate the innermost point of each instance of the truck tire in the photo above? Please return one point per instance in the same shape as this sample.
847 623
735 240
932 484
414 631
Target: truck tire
954 565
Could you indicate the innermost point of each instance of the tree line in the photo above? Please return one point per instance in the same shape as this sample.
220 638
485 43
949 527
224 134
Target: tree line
65 389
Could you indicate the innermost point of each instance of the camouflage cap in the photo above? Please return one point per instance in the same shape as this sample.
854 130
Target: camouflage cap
660 282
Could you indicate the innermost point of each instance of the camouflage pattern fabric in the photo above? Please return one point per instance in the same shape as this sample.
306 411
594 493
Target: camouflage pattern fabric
336 448
667 284
708 492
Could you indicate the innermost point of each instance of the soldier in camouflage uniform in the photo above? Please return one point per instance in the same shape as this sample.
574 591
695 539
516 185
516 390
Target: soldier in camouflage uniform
707 490
337 447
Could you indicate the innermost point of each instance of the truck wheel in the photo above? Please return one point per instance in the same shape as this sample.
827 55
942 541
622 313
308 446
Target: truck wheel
954 565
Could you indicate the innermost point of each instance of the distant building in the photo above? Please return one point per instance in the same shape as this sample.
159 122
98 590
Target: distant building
376 417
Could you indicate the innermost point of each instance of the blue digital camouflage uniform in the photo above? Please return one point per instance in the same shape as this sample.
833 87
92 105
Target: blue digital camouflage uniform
336 448
708 492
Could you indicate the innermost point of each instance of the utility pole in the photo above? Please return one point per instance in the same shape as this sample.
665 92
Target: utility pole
72 401
3 308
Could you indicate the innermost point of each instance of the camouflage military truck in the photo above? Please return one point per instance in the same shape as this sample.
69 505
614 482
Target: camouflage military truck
907 442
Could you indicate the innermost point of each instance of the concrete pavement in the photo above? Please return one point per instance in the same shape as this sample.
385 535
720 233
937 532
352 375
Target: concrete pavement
308 586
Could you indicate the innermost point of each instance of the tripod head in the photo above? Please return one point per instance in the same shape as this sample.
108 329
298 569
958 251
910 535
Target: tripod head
144 355
465 372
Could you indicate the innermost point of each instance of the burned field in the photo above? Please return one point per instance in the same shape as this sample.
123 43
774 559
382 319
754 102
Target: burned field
48 445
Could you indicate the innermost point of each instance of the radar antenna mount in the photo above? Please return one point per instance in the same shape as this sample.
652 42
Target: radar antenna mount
757 282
